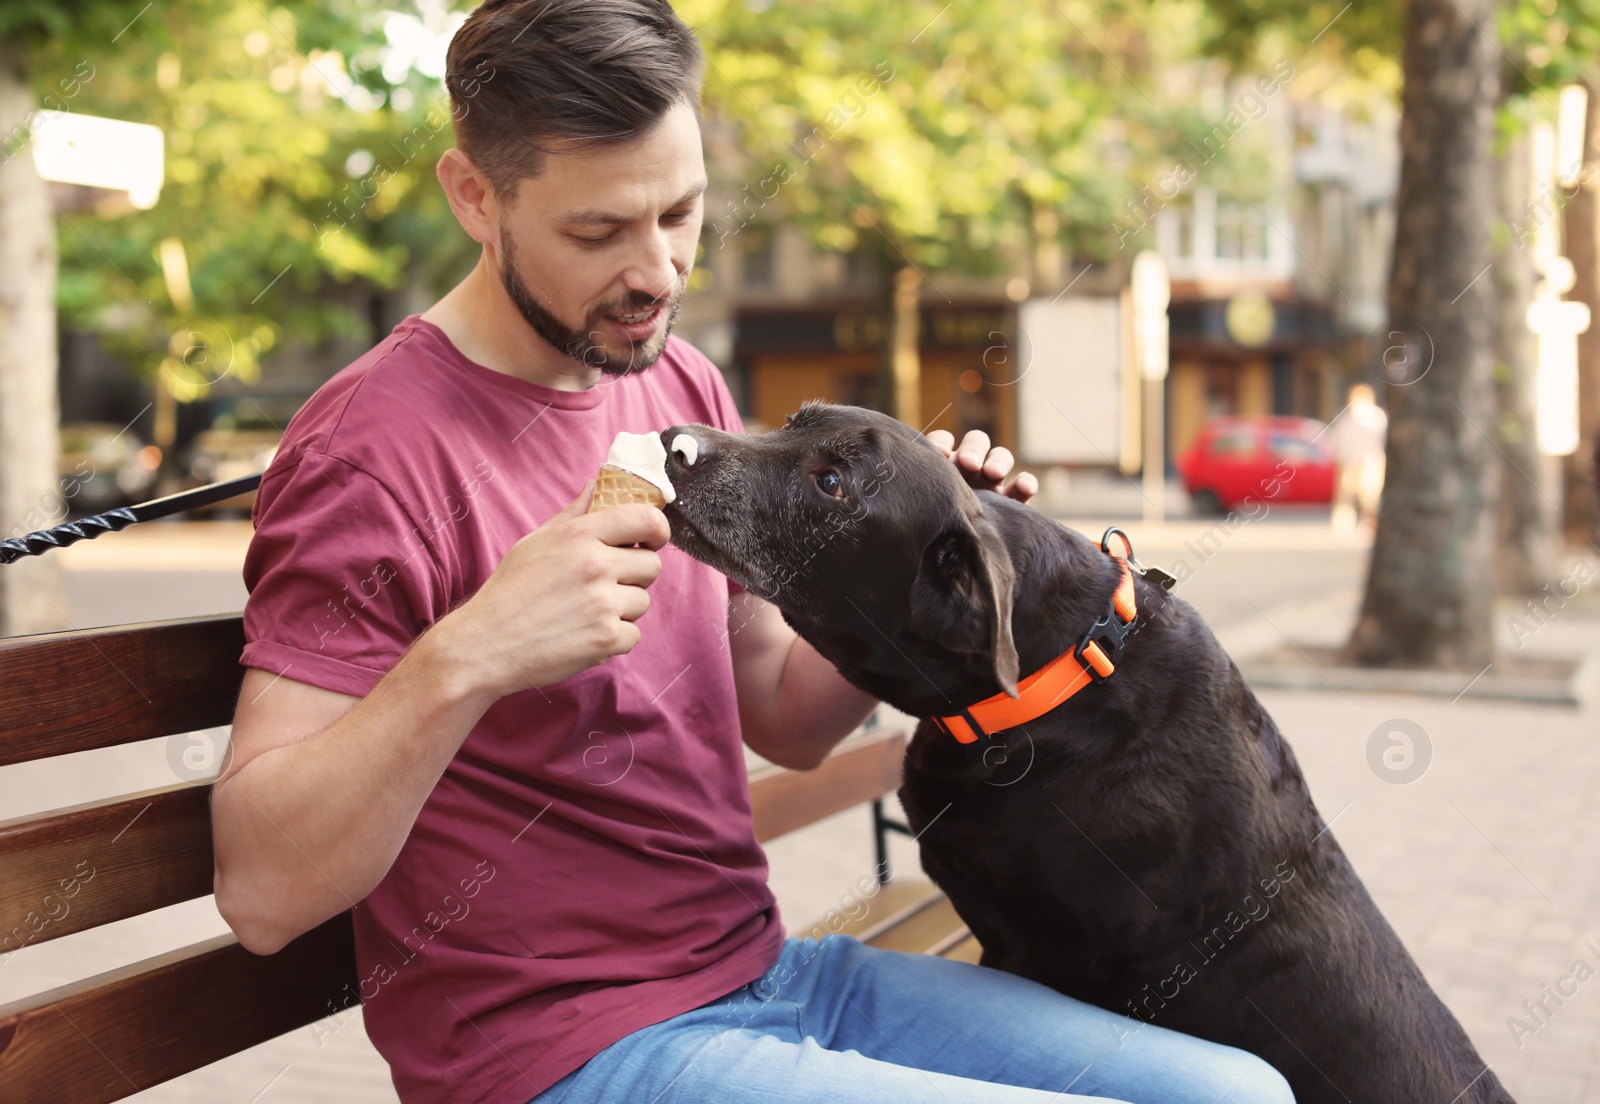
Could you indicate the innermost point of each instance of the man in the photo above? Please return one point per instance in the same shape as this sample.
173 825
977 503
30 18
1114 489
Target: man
1358 444
509 739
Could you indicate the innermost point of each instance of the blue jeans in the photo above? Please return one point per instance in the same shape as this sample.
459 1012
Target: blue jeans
841 1022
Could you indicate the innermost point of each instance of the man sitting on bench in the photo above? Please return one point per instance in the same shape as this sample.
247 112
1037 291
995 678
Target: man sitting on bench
509 740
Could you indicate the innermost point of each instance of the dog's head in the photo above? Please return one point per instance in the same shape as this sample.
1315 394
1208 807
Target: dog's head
862 533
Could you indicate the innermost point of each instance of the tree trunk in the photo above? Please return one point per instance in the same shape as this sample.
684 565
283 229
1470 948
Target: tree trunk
1429 593
1581 508
1527 521
31 599
904 360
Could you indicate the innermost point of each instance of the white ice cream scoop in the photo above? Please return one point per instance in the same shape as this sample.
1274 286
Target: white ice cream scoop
644 456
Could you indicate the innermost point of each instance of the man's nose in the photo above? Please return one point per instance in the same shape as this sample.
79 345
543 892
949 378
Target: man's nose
653 271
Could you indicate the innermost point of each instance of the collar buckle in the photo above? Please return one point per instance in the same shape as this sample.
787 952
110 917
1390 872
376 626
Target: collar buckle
1101 647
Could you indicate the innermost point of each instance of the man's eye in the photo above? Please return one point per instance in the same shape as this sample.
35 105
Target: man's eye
594 241
830 483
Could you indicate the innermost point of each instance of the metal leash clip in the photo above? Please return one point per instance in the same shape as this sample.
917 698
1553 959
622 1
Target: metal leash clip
1163 579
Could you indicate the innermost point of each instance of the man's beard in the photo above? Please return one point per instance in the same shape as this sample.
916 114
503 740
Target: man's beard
584 345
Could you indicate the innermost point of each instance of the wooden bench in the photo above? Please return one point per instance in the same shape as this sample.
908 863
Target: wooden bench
70 869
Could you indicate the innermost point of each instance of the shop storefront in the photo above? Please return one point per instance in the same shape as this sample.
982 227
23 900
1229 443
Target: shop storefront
837 352
1251 356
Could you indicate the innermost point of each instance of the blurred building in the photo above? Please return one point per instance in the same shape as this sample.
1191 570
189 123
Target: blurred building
787 323
1275 301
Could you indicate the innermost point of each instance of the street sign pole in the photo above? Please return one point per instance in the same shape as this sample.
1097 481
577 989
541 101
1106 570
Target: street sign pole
1152 291
1155 484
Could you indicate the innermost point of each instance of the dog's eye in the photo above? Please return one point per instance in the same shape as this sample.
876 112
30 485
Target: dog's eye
830 483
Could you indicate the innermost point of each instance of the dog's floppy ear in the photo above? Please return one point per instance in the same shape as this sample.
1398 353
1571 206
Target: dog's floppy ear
962 595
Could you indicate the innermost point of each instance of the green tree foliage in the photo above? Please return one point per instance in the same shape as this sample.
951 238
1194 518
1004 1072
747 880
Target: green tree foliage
1549 44
1545 43
41 21
294 165
947 136
297 161
1238 28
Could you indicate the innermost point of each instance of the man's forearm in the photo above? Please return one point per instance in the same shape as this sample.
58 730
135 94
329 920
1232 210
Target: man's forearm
813 708
306 830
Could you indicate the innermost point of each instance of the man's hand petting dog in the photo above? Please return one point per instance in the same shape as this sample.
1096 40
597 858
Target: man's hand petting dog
985 468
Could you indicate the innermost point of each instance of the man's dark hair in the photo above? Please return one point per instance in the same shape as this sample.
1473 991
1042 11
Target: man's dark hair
523 74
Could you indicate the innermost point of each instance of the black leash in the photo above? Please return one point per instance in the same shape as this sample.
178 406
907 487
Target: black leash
114 521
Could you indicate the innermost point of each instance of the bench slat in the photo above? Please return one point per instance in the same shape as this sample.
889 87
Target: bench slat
949 942
125 1031
91 864
912 915
860 769
968 950
93 688
895 904
926 932
103 861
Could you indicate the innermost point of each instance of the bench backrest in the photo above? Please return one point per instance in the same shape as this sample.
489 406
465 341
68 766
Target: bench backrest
111 1036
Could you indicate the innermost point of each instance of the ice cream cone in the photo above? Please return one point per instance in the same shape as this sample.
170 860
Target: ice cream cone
616 486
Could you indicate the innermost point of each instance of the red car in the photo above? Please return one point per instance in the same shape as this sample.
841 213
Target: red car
1243 460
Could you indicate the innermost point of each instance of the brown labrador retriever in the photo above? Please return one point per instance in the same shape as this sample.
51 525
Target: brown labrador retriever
1147 843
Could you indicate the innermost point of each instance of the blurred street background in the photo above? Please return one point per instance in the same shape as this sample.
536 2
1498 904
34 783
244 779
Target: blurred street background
1297 292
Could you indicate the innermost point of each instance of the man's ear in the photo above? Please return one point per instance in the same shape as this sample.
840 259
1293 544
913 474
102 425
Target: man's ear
469 193
962 595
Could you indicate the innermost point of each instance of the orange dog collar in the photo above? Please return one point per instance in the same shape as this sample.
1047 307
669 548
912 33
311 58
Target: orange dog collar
1092 659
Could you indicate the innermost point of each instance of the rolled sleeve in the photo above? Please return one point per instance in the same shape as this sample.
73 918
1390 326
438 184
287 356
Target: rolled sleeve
341 580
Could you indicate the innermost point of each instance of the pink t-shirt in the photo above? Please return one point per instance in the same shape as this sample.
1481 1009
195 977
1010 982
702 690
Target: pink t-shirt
586 866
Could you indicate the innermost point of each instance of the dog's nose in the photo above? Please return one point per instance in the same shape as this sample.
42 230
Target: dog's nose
682 447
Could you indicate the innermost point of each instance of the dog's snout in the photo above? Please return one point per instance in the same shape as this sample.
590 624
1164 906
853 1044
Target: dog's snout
684 449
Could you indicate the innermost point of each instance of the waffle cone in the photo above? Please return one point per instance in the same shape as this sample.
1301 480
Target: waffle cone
619 487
